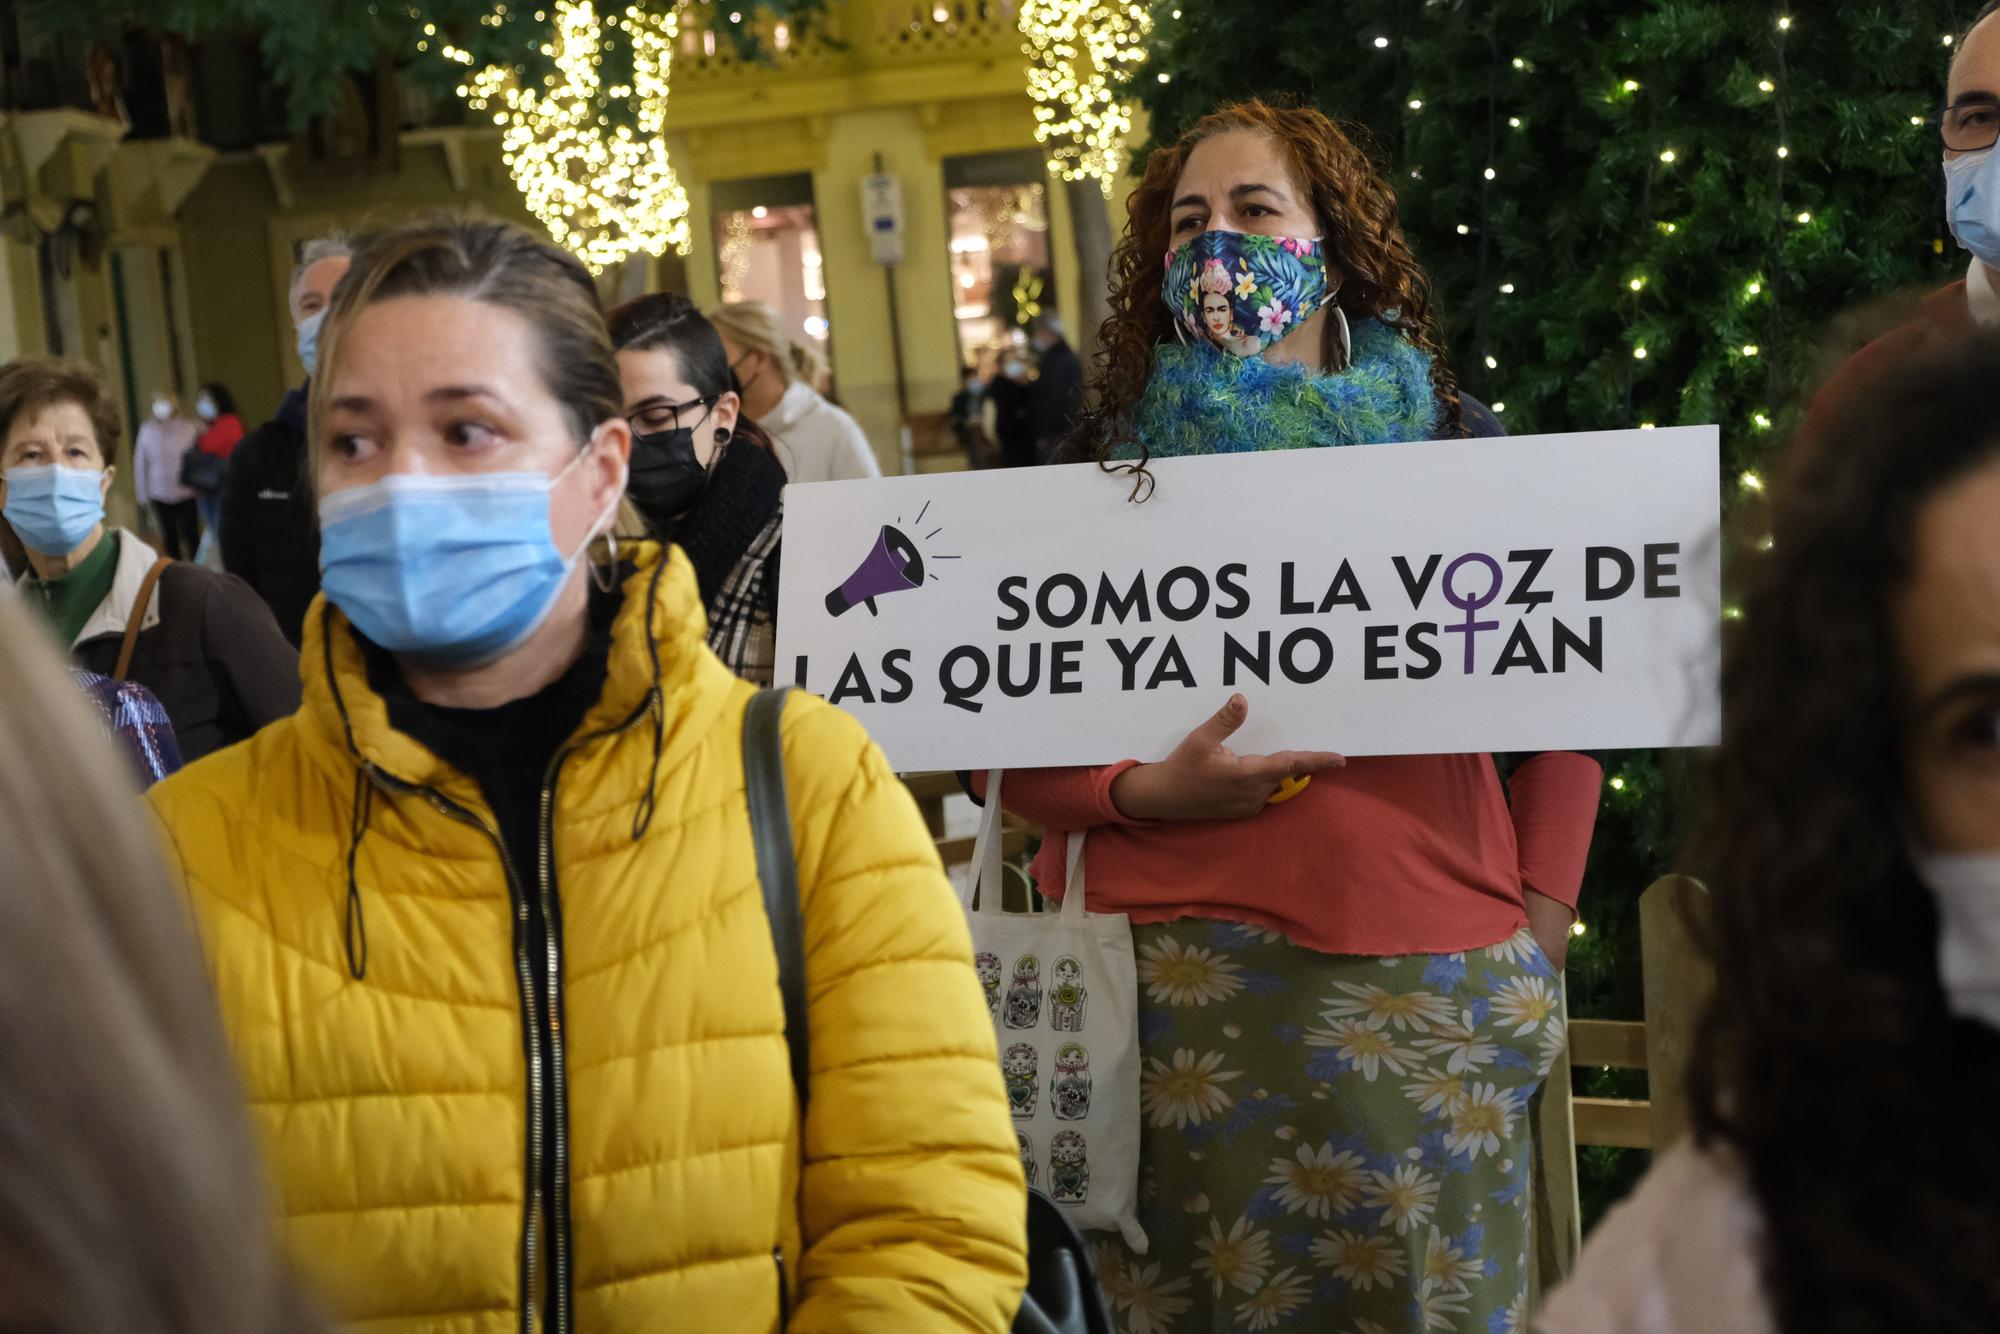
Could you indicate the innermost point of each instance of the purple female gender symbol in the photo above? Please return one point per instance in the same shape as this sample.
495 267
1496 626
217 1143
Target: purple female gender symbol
1469 605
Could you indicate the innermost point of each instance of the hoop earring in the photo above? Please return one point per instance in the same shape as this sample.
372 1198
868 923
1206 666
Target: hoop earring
605 576
1346 338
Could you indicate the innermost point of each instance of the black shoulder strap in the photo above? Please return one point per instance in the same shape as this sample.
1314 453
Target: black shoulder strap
771 831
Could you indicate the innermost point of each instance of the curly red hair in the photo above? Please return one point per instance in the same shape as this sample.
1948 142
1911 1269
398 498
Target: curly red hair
1362 237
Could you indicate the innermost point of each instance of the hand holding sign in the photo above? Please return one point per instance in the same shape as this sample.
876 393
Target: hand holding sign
1205 780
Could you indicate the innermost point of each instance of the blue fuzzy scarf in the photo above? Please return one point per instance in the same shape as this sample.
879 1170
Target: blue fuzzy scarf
1202 400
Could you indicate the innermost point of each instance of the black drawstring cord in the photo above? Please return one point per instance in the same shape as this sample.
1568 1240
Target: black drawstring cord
642 819
356 929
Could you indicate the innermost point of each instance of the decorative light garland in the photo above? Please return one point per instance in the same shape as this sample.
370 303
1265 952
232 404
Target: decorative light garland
1080 55
604 193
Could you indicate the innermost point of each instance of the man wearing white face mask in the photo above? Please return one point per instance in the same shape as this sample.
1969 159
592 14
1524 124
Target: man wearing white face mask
270 538
1970 127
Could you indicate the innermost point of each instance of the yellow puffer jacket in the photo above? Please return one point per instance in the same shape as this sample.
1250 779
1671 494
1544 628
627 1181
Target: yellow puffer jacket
396 1108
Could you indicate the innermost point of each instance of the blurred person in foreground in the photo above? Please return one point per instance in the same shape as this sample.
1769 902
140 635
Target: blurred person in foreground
1840 1178
130 1201
484 917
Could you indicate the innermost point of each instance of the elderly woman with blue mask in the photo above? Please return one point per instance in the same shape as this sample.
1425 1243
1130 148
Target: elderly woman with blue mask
200 641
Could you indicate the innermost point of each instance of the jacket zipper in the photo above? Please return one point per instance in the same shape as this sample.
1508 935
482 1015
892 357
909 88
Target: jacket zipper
557 1319
784 1289
560 1279
523 968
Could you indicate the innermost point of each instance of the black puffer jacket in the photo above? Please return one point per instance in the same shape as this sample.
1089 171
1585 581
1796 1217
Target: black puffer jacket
270 530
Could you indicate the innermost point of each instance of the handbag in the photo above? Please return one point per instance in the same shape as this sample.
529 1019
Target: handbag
1063 1296
203 471
1062 989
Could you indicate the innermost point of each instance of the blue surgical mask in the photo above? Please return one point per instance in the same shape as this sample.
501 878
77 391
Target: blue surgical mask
1972 201
309 343
454 572
53 509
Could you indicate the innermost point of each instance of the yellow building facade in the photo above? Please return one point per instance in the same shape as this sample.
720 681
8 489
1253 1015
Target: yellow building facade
179 274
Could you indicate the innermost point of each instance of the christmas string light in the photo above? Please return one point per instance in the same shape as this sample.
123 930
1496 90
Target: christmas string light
1080 55
604 194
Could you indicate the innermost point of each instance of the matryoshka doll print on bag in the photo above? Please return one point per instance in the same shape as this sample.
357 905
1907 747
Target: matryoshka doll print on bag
1066 1016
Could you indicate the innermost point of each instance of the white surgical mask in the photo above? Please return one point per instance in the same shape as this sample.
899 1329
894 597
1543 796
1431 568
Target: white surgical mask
1967 890
162 409
206 407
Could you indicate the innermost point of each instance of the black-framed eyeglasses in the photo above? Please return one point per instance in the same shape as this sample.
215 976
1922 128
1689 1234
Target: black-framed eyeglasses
654 418
1971 125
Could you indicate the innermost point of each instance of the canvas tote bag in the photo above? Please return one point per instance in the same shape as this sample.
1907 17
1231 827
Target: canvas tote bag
1063 992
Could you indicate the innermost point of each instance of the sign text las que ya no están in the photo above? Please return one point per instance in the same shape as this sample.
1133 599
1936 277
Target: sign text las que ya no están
1552 592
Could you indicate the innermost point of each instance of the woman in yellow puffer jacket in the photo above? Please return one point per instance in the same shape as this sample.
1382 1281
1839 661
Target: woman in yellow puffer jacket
484 917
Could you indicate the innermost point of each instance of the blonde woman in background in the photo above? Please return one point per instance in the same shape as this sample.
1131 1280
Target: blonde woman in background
817 441
129 1192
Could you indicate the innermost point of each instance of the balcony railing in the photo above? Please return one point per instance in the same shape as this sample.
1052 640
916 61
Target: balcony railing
851 37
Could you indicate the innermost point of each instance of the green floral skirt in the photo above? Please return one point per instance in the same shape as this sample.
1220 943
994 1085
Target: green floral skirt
1333 1143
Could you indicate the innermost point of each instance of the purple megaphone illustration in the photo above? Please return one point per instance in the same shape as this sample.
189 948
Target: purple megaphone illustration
894 566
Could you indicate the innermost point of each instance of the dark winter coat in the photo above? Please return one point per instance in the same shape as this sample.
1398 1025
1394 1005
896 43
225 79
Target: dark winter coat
270 530
208 650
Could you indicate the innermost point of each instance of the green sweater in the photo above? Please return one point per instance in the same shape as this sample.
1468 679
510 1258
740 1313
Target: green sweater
69 602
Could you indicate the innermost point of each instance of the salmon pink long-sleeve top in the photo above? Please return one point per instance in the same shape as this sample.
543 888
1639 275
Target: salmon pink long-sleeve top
1419 854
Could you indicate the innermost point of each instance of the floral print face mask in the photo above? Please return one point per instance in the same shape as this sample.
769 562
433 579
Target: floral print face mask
1242 291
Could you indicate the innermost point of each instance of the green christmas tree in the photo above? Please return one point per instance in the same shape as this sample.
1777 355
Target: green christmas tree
1635 212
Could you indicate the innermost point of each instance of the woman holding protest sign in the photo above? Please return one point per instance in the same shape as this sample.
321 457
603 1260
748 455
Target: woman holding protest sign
1350 971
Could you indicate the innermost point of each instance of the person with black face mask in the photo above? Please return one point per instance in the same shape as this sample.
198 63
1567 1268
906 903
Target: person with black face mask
704 476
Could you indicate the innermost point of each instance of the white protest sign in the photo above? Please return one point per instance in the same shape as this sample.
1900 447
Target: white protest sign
1535 593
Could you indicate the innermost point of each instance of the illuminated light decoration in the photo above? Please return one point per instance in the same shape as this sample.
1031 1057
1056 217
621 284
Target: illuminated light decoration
1784 151
603 195
1631 85
1638 284
1514 122
1080 54
1804 218
1916 120
1492 365
1520 63
1416 104
1649 426
1766 86
1785 23
1670 227
1947 39
1732 613
1668 155
1749 349
1753 287
1499 407
1491 174
1639 354
1464 230
1381 43
1751 482
1761 421
1506 289
1577 929
1166 77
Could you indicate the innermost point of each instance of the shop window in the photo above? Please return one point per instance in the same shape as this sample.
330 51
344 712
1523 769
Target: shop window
997 211
767 248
